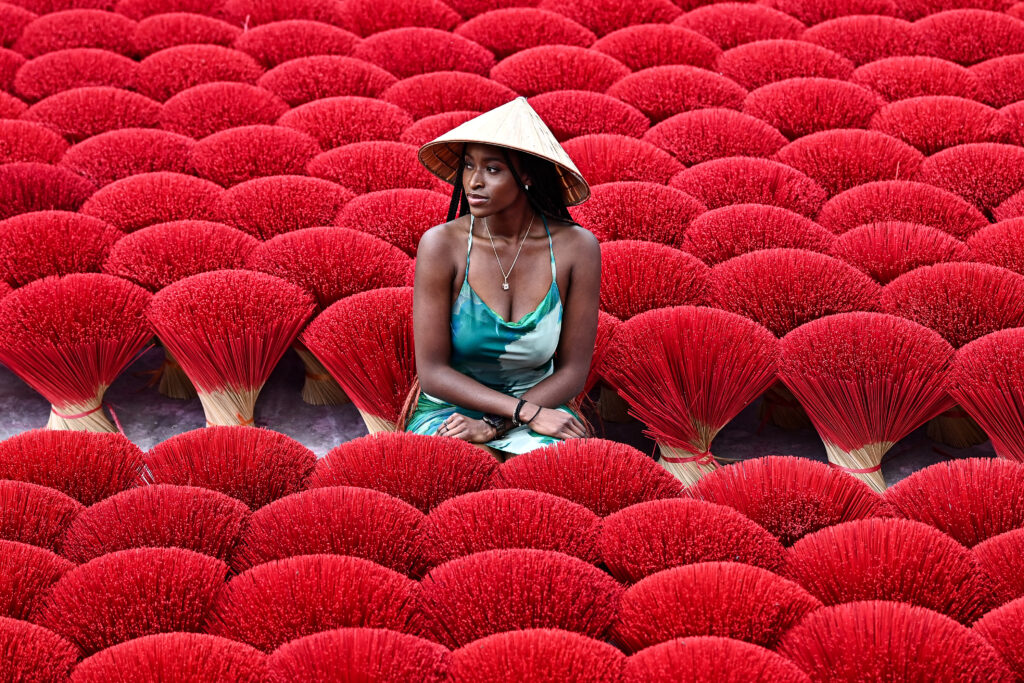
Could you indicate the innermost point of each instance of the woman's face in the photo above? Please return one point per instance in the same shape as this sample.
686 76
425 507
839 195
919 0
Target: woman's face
488 181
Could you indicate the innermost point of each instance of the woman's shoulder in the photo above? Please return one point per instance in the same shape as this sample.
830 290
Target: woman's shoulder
574 236
442 237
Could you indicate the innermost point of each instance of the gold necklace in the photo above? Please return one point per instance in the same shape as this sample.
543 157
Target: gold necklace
504 285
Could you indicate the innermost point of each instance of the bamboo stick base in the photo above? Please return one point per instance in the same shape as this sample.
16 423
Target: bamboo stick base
866 457
687 472
320 389
781 408
611 407
375 423
956 429
229 408
174 383
81 417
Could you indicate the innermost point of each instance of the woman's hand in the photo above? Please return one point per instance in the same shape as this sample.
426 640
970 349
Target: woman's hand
553 422
466 428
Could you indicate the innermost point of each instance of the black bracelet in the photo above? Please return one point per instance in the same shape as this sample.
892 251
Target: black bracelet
515 415
535 415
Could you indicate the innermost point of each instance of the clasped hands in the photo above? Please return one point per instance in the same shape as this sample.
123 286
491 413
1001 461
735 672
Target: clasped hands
548 421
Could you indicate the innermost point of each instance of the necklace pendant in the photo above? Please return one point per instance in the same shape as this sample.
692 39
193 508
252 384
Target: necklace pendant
504 285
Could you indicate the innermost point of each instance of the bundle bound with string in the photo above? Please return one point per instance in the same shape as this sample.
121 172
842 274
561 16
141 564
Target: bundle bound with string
69 337
330 263
783 289
228 329
162 254
866 380
365 341
685 372
960 301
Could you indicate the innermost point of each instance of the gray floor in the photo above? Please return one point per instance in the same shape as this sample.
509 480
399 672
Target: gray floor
148 418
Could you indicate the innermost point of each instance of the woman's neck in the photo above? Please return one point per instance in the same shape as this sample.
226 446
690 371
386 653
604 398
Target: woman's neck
512 221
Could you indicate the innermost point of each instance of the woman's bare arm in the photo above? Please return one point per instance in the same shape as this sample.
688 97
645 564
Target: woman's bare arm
432 332
579 326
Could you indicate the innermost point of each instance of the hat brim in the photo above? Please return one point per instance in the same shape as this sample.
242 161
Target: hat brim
442 159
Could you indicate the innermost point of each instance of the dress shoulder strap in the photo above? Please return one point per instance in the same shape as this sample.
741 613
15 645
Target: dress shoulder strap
469 243
551 247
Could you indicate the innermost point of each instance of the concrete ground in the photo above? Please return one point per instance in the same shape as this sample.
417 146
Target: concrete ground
148 418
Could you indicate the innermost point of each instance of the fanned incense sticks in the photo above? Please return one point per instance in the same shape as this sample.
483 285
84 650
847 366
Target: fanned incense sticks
686 371
228 329
69 337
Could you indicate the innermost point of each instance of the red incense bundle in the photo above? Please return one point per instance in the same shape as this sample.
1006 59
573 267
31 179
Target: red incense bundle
639 276
536 654
175 657
987 380
960 301
158 516
1001 560
972 499
372 655
887 249
891 559
866 380
507 590
132 593
650 537
509 518
41 243
790 497
86 466
279 601
35 654
710 659
36 515
338 520
686 372
255 466
783 289
424 471
711 599
26 575
365 341
728 231
602 475
69 337
890 641
1001 628
162 254
330 264
228 329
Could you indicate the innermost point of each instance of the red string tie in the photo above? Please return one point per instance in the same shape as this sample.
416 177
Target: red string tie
852 470
704 458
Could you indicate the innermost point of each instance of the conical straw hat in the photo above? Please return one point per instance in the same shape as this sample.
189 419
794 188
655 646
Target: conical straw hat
514 125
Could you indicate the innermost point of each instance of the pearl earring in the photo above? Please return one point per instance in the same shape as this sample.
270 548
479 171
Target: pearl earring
527 187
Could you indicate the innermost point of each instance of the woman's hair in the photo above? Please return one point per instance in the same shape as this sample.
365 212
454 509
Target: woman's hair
544 195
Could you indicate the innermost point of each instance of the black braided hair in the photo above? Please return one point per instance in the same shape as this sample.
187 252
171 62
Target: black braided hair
544 195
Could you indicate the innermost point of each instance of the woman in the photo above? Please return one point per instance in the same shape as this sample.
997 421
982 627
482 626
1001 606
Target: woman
506 294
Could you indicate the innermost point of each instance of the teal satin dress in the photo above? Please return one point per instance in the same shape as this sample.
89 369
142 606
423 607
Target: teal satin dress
510 357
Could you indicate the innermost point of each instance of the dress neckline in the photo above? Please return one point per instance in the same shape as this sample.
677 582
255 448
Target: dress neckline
526 316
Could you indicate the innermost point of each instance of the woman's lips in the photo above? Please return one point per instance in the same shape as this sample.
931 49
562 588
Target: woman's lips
475 201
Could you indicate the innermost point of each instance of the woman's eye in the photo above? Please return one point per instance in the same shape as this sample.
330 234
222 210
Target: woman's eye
492 169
